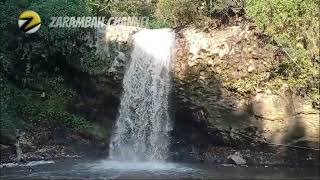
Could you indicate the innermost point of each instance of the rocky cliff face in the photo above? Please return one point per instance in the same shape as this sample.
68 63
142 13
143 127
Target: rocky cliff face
224 76
222 94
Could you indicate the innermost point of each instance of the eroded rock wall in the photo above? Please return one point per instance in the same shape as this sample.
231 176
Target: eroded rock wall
221 88
222 79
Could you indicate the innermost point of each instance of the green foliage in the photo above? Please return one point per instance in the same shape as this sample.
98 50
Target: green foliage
177 13
245 85
9 119
52 8
123 8
195 12
131 8
294 25
215 8
100 61
24 55
34 61
94 64
155 23
48 106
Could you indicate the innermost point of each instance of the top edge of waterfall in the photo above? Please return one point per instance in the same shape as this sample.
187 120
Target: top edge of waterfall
158 42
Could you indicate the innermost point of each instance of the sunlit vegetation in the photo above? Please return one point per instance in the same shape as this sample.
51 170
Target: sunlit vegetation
294 26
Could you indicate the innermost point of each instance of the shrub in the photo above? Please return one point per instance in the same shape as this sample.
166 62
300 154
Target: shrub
9 119
216 8
177 13
23 55
36 107
131 8
294 25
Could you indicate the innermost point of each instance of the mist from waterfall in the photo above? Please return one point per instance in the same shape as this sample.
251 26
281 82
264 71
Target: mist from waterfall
143 125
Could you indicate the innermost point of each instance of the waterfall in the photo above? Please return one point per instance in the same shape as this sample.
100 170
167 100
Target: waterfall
142 128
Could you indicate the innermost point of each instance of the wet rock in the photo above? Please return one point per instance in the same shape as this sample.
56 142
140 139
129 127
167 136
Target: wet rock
237 159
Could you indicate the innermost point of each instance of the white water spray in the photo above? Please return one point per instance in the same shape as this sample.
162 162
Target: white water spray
142 128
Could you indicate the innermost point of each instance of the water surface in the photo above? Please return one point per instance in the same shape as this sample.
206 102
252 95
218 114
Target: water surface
105 169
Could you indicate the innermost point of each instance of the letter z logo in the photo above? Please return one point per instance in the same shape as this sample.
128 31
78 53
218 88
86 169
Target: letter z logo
29 22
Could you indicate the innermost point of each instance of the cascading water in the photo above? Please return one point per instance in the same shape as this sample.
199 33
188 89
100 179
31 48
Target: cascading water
142 128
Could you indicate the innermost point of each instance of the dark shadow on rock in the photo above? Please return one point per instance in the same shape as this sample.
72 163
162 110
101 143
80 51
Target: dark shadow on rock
209 125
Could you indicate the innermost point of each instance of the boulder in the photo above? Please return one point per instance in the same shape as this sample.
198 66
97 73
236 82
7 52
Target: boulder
237 159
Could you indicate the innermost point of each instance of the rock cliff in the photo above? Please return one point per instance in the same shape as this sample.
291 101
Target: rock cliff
223 94
224 77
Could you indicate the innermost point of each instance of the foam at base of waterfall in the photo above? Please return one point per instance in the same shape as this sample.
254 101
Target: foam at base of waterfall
136 166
